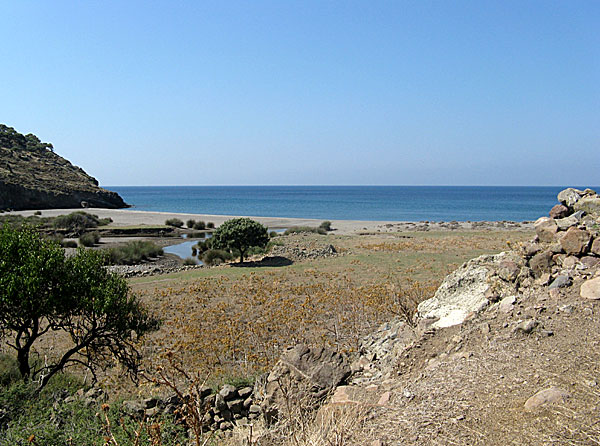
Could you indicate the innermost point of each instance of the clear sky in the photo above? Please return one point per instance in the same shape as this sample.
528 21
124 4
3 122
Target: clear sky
309 92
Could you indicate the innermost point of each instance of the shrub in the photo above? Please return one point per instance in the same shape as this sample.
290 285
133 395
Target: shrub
68 243
326 225
190 223
300 229
273 234
210 225
76 222
175 222
200 225
189 261
203 245
37 213
89 239
133 252
215 256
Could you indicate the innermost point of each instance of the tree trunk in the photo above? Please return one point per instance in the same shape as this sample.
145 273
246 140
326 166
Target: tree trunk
23 360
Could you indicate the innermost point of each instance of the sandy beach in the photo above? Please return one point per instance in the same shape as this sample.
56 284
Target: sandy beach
129 217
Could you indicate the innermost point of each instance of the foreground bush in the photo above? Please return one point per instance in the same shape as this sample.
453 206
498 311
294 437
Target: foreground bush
42 291
200 225
48 418
133 252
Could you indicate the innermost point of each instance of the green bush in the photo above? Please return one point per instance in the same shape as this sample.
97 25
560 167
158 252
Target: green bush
78 222
190 223
175 222
68 243
300 229
273 234
200 225
203 245
89 239
210 225
326 225
216 256
189 261
133 252
37 213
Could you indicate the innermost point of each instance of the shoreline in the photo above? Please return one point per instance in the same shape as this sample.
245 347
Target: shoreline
129 217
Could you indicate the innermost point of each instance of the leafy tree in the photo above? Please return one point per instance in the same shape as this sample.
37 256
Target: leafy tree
240 234
43 291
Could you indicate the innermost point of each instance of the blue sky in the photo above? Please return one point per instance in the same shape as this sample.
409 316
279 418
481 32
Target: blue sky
309 92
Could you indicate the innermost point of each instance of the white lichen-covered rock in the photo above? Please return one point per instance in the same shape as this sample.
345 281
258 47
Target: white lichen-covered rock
463 292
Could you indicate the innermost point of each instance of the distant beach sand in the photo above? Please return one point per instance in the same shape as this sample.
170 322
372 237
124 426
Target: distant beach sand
129 217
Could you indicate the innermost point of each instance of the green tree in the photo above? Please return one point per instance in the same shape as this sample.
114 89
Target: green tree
42 291
240 234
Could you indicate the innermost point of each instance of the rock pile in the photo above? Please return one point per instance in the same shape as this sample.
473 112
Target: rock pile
566 247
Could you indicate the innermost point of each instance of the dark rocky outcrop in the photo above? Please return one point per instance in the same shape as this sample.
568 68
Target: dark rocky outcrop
32 176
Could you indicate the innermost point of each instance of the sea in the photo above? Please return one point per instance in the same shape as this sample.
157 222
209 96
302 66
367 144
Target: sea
373 203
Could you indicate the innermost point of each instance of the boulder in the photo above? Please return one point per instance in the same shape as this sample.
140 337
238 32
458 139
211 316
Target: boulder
463 292
228 392
546 396
590 289
572 220
559 211
575 241
541 263
546 229
304 375
591 205
569 196
595 249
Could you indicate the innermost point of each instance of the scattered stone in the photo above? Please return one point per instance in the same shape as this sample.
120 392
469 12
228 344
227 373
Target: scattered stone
559 211
134 408
507 304
544 279
541 263
575 241
561 281
508 270
531 249
545 229
384 399
547 396
589 262
245 392
228 392
590 289
570 262
527 326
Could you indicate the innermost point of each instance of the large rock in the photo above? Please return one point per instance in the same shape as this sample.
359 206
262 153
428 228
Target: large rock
546 229
575 241
541 263
591 205
547 396
595 249
559 211
463 292
569 196
302 375
572 220
590 289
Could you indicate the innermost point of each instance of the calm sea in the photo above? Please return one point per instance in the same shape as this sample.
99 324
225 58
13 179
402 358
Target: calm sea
395 203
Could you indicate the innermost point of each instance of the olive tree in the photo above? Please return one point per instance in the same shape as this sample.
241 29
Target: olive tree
240 234
42 292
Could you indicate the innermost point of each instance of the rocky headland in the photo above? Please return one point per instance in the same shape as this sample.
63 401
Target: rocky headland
32 176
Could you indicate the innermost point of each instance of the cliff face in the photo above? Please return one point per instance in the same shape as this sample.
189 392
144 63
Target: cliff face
32 176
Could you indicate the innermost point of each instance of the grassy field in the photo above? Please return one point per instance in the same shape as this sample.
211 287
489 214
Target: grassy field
232 322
